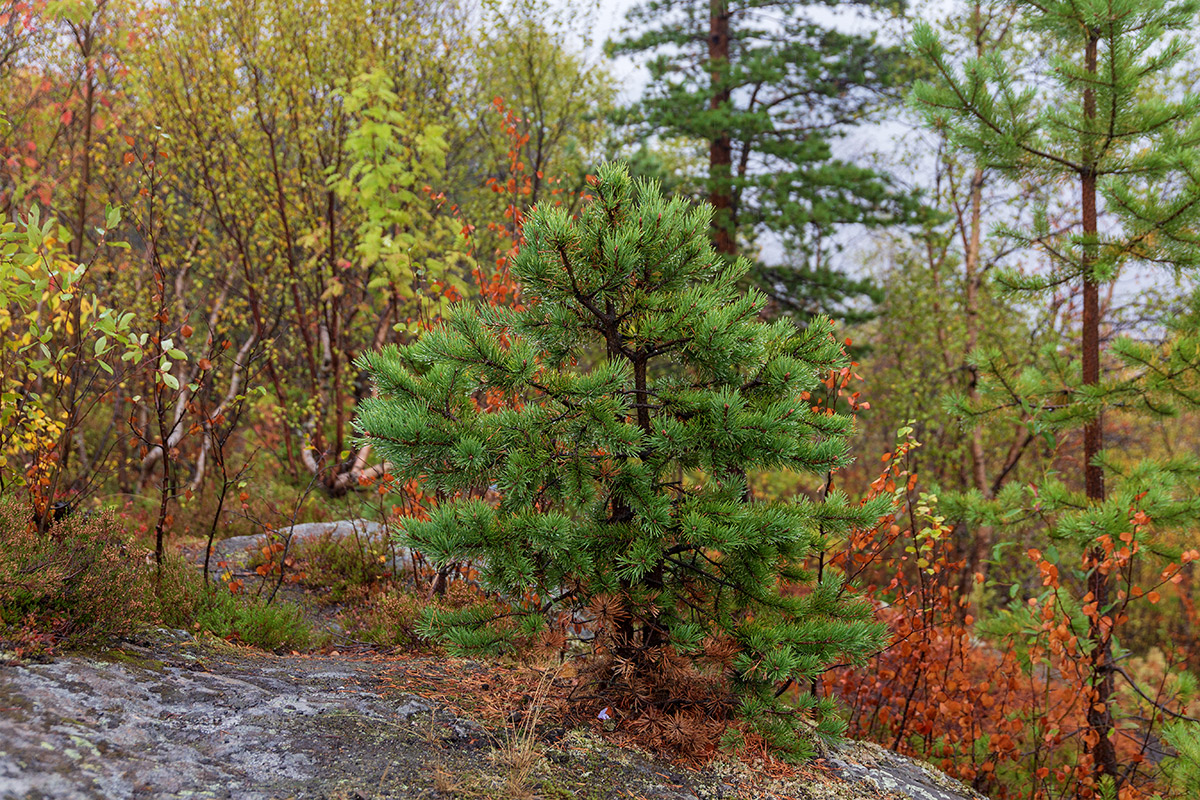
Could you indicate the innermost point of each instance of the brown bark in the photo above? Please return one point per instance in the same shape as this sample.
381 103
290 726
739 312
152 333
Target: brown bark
85 39
720 153
982 541
1099 713
971 279
971 228
335 338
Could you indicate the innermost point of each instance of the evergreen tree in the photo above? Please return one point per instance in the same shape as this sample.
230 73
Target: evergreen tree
767 88
1130 154
640 387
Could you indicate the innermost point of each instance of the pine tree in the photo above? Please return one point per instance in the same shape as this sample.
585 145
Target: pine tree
767 88
640 387
1130 154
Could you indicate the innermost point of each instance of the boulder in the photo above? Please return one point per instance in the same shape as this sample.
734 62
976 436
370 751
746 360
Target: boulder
183 720
236 551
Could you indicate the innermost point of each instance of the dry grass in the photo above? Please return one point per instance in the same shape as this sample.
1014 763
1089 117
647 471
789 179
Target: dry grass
520 752
445 783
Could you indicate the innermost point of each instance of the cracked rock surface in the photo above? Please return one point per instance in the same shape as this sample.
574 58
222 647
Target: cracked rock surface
174 720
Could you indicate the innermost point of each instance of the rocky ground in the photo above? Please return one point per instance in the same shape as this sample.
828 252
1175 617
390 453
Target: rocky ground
172 716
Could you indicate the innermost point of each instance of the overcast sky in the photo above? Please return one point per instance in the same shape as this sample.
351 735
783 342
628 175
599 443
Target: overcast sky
606 22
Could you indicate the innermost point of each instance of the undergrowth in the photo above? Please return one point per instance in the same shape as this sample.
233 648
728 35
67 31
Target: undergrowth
187 603
341 566
397 615
79 583
386 619
85 582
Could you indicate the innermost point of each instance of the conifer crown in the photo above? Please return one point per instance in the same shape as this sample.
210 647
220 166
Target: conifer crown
639 386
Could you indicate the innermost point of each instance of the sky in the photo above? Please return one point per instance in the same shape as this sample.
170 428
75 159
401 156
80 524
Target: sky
609 18
895 145
876 143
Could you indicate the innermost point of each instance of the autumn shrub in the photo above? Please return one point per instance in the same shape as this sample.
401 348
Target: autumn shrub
345 567
78 583
187 603
1000 703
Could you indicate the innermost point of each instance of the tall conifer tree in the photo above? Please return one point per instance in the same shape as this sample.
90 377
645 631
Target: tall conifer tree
767 87
641 386
1131 157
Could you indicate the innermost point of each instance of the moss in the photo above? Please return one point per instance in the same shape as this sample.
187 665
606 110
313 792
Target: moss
121 656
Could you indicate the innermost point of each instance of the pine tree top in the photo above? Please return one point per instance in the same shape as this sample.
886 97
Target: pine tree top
1109 121
615 416
634 340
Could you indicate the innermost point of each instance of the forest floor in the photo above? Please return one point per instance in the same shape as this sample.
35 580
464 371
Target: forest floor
169 714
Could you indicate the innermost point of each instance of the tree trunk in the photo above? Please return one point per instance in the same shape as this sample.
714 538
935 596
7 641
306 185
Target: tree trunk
971 279
981 541
720 153
1099 713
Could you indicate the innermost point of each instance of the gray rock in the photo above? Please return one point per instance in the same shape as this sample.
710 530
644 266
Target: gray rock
869 763
411 707
147 723
89 728
236 551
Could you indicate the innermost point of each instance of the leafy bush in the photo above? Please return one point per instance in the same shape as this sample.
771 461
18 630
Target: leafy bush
996 702
346 566
642 385
187 603
78 583
399 618
58 335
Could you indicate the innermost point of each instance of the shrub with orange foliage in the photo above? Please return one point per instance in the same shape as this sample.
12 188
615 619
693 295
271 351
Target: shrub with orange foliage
1001 704
77 583
520 189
